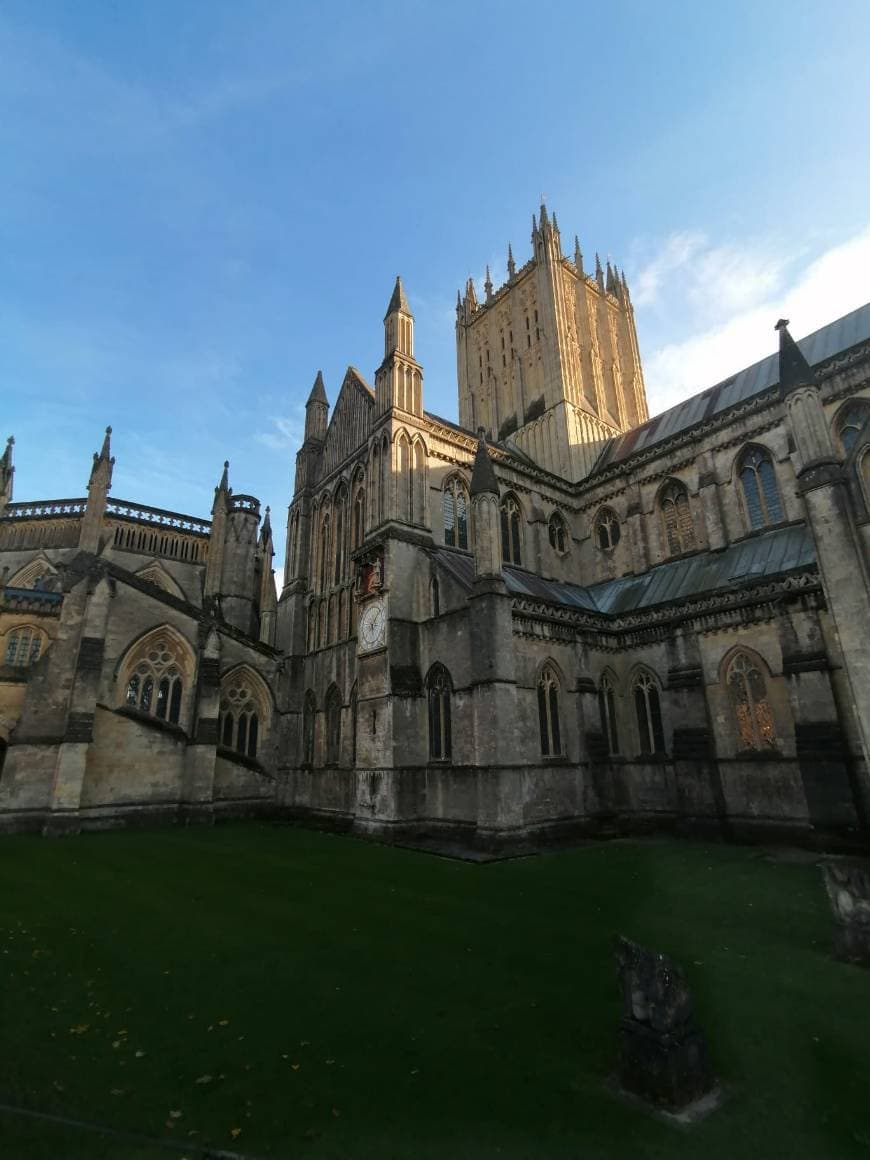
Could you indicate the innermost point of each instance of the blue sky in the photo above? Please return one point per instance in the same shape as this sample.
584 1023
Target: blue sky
203 203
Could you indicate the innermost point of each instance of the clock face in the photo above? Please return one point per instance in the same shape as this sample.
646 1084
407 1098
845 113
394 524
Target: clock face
372 625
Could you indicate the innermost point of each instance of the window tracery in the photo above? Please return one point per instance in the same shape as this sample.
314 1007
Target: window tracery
548 712
760 492
511 548
243 713
677 519
24 646
850 423
648 710
607 711
155 677
558 533
606 529
753 718
454 506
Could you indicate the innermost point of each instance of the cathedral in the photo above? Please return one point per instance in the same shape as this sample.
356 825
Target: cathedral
556 619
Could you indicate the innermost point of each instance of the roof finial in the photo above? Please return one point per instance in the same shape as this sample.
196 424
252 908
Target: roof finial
599 273
578 256
318 391
794 370
482 475
487 286
511 264
398 300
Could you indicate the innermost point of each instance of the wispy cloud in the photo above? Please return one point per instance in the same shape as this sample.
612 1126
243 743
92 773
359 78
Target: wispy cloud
287 431
723 299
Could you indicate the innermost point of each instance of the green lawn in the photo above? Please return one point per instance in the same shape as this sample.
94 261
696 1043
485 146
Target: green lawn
350 1000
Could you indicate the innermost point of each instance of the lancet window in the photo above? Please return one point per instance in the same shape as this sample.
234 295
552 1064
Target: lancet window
747 691
606 529
760 492
243 713
548 712
648 711
439 689
850 423
558 533
511 548
677 519
607 711
454 506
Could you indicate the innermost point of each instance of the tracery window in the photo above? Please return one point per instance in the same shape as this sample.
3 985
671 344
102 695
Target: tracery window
850 423
309 712
324 551
607 710
454 505
440 740
548 712
24 646
243 713
677 519
405 484
333 726
155 680
338 546
760 493
648 710
511 550
747 691
558 533
606 529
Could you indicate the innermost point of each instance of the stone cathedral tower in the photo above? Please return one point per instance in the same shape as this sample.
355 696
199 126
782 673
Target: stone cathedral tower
550 359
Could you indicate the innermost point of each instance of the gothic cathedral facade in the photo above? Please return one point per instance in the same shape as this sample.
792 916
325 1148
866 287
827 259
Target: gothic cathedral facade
556 618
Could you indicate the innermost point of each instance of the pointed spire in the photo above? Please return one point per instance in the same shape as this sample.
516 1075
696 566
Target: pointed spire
544 219
398 301
471 294
266 529
794 370
609 283
511 265
225 478
555 223
6 472
483 477
318 391
625 292
578 256
458 304
599 273
534 229
487 286
104 457
6 461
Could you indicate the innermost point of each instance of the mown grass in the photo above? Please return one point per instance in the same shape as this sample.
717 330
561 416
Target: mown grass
340 999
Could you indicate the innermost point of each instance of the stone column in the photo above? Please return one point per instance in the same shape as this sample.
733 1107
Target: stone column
197 793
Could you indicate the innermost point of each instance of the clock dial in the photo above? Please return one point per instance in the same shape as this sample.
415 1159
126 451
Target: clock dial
372 625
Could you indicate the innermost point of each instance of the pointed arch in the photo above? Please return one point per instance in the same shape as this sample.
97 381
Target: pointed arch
420 482
759 490
746 677
404 479
439 692
155 675
375 485
454 508
557 533
549 687
339 546
333 705
606 530
678 528
245 710
156 574
511 529
608 690
358 509
33 574
646 695
309 717
386 493
850 422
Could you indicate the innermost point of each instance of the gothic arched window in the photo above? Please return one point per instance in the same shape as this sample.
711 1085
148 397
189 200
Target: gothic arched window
243 712
558 533
24 646
339 544
405 484
438 687
454 505
760 493
155 674
309 713
648 711
375 497
548 712
418 497
324 552
607 710
606 529
359 517
677 519
333 726
511 548
747 691
850 423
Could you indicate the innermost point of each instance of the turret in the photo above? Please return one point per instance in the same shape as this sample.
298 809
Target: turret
239 594
7 471
399 379
799 387
317 411
99 485
485 521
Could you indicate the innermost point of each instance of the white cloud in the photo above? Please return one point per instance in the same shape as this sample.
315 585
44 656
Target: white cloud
746 290
287 432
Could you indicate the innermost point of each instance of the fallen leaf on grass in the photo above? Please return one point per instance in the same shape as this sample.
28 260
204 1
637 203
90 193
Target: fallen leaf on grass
203 1079
79 1029
295 1066
175 1115
139 1054
223 1022
234 1132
